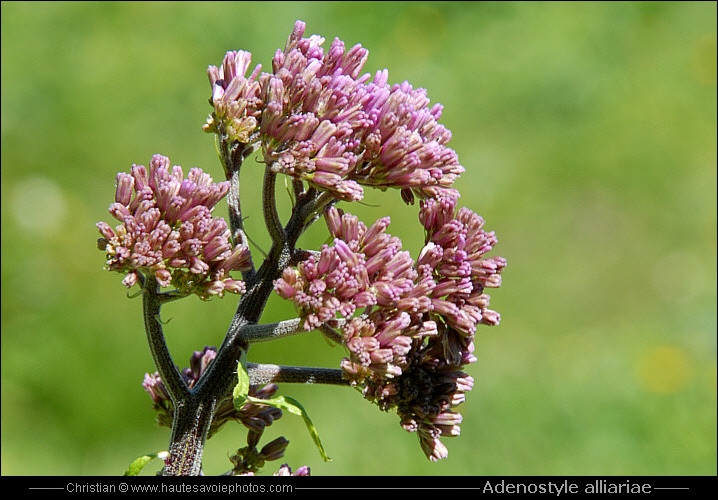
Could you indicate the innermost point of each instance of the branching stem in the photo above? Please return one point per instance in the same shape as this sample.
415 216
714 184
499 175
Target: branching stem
194 409
167 369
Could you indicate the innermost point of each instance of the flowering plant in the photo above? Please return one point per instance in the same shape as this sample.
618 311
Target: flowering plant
407 325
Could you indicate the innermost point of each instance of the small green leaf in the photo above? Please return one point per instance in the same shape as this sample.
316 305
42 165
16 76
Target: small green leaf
241 390
240 395
138 464
293 406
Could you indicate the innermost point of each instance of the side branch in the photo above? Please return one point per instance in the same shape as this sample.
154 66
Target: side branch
151 303
267 373
309 208
331 334
217 380
232 163
235 220
263 333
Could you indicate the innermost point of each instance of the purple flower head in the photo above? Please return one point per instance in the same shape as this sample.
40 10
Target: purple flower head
326 123
456 247
236 99
155 388
405 146
364 267
167 231
311 112
198 363
407 325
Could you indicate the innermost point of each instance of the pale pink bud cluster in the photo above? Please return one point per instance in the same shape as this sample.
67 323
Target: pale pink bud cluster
311 114
405 146
236 99
455 249
322 121
409 326
254 416
434 383
329 125
167 231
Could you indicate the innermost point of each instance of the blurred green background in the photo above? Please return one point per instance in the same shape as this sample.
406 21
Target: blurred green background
588 131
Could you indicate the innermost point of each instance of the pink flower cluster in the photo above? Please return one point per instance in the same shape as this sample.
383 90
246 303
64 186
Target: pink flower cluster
455 249
364 267
236 99
408 325
167 231
319 120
